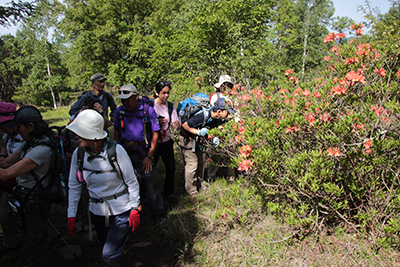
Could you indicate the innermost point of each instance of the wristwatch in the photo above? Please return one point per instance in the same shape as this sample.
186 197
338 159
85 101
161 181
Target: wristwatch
150 157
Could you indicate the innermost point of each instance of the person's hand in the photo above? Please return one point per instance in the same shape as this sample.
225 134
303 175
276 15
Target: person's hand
147 165
202 132
71 224
134 219
162 121
98 107
176 125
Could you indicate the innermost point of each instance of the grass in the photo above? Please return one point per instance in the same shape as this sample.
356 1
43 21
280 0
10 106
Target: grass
225 225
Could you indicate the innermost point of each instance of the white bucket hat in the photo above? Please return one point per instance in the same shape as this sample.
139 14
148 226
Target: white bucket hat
223 79
89 124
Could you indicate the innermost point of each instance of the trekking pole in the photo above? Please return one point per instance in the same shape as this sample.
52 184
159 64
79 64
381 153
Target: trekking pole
62 238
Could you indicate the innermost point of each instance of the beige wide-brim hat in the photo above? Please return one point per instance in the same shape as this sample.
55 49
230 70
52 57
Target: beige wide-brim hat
223 79
89 124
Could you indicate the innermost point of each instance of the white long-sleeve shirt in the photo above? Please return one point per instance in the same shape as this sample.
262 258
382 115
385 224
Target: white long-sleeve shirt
104 184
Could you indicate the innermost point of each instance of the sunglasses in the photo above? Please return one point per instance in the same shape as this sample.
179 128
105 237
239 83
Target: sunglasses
124 92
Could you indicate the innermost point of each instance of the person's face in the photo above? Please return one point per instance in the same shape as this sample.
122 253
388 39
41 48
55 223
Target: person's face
25 130
163 95
84 142
222 114
131 103
99 85
226 86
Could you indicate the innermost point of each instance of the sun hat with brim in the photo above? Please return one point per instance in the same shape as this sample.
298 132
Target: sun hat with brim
25 114
126 91
89 124
7 111
223 79
97 77
221 104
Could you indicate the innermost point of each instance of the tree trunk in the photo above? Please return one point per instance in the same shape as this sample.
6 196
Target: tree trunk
51 89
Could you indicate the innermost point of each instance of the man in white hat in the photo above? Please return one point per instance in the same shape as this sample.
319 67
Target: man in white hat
104 98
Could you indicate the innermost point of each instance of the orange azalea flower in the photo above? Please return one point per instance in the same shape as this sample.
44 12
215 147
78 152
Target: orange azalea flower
333 152
287 101
338 90
293 79
325 117
238 138
327 58
368 144
317 94
311 119
306 93
288 72
367 151
277 123
241 129
234 125
297 91
329 38
245 165
245 151
342 35
269 97
359 32
381 72
355 77
335 48
398 73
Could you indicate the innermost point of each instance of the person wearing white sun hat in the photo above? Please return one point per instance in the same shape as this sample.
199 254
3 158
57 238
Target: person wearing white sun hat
114 199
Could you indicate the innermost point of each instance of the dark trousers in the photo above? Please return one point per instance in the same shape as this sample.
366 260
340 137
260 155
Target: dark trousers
153 195
36 215
166 152
112 238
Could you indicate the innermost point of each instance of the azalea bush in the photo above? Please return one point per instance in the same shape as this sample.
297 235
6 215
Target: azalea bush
325 151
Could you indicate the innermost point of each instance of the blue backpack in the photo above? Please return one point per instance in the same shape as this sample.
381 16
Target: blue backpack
190 106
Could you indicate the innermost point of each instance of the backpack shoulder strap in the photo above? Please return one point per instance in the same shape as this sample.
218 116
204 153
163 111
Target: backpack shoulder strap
145 121
112 157
170 109
81 153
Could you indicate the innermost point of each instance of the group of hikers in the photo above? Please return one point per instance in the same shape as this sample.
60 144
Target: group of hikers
106 168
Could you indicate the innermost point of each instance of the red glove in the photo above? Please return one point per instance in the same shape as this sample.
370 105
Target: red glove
70 224
134 219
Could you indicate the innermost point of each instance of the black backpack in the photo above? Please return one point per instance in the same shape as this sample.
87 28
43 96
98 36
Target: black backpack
57 190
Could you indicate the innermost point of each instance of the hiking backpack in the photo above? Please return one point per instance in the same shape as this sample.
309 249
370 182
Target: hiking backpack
111 155
57 190
190 106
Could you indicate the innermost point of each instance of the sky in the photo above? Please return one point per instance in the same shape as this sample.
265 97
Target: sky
343 8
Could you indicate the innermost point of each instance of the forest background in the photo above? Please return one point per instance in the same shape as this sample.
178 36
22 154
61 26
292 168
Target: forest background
317 135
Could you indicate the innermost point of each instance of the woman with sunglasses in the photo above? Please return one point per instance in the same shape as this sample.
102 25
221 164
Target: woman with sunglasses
113 195
167 118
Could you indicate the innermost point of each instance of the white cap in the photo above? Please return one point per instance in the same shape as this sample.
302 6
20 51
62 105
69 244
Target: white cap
89 124
126 91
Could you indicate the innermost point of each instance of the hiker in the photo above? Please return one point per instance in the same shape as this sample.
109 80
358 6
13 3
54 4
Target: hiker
167 118
221 90
114 194
92 103
104 98
36 160
12 141
130 132
193 129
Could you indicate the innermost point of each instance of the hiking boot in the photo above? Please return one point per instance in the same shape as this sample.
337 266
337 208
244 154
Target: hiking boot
160 220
